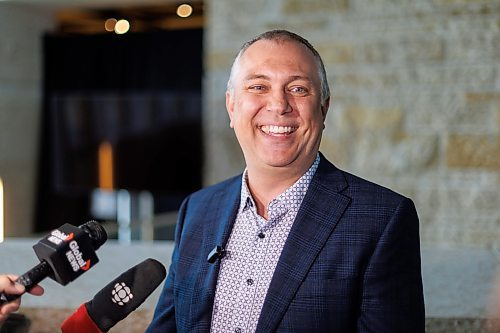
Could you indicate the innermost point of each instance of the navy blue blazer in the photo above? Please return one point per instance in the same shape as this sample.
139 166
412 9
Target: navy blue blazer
351 262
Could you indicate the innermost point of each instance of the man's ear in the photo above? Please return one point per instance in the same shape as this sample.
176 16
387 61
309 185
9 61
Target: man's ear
230 107
324 108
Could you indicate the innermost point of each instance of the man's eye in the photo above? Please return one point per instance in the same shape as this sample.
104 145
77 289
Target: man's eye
298 90
257 88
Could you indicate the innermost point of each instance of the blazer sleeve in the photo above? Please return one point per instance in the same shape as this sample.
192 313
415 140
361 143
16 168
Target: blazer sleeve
164 315
392 293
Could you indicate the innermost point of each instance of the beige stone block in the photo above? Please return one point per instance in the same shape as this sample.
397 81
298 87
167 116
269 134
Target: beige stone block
366 118
336 151
437 111
223 157
311 27
470 199
473 151
372 141
19 122
478 111
445 234
497 112
485 235
479 46
415 50
19 195
21 42
300 7
381 153
375 52
220 60
496 41
460 2
428 198
336 52
482 97
368 80
451 75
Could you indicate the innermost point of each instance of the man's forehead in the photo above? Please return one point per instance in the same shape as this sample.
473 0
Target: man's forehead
277 44
290 77
263 58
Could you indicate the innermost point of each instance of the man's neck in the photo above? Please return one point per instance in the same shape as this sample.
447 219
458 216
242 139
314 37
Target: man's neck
265 185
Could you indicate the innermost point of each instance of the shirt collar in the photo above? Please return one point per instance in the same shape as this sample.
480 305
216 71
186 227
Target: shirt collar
246 199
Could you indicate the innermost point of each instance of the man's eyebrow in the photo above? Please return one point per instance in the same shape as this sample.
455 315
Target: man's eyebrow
250 77
300 78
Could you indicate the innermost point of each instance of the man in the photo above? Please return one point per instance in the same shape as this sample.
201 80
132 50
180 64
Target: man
303 246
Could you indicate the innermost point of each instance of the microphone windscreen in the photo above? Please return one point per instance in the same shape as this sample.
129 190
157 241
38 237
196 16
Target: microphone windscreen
80 321
125 293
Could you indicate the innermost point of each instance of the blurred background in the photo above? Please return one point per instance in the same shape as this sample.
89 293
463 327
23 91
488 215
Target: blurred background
114 110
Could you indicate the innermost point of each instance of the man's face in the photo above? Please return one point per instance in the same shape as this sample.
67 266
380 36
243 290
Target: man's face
275 108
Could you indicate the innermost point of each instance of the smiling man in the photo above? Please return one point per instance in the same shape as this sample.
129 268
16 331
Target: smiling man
293 244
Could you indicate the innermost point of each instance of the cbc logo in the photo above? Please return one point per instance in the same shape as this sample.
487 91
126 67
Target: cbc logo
121 294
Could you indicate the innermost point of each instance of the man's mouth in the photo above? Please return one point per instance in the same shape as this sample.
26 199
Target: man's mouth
274 129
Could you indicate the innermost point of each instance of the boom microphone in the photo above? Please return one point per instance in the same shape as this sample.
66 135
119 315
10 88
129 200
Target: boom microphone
116 300
65 254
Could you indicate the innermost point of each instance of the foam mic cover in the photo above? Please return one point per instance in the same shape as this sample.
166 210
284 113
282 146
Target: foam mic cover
125 293
80 321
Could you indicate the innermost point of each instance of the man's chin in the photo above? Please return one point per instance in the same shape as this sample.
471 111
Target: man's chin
281 161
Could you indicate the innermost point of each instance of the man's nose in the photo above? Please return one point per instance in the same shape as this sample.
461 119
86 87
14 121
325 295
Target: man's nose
278 102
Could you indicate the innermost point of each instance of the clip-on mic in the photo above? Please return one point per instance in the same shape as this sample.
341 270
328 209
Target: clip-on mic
217 253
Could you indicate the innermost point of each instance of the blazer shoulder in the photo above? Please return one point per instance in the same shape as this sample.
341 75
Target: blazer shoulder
230 184
358 189
359 184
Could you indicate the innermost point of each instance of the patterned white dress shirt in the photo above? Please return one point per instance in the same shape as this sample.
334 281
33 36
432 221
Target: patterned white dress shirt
252 253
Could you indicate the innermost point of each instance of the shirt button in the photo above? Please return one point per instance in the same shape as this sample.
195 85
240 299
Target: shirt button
261 235
237 330
249 282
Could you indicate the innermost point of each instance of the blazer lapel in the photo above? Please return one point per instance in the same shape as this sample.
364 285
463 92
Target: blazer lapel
220 220
319 213
224 215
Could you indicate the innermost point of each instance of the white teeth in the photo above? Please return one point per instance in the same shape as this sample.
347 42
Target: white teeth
276 129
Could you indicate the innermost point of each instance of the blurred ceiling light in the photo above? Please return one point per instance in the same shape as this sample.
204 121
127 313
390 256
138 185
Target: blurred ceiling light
105 166
184 10
122 26
110 24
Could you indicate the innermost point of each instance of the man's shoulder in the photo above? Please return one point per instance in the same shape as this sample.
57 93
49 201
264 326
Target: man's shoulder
230 184
361 188
368 193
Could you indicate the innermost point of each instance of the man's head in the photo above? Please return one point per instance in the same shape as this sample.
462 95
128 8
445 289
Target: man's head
277 100
284 35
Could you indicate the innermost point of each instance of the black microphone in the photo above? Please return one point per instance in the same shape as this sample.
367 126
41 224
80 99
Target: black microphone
217 253
65 254
116 300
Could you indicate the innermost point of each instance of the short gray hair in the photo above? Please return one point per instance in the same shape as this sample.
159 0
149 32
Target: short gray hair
284 35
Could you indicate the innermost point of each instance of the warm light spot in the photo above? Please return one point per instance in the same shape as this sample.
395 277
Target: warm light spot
184 10
1 211
110 24
105 166
122 26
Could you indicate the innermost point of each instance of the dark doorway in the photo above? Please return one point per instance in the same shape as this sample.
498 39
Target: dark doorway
140 93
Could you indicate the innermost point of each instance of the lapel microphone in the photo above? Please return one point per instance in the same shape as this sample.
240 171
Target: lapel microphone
217 253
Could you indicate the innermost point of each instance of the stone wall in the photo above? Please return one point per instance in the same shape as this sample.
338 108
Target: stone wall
21 30
415 106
